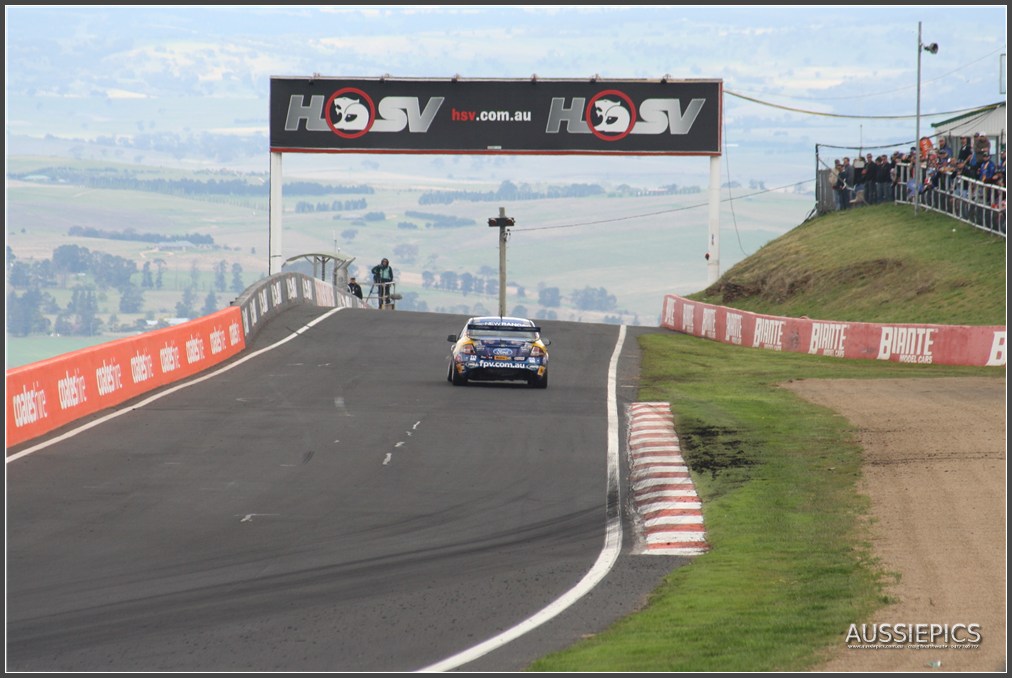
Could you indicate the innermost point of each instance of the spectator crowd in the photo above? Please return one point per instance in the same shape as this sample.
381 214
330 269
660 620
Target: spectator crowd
961 181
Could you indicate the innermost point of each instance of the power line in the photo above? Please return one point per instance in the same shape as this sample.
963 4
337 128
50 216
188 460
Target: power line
892 92
660 212
857 117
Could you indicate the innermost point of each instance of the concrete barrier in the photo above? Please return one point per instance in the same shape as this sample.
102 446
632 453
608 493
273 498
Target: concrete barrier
45 395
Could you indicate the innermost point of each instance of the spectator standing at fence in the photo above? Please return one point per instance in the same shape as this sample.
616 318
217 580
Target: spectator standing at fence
858 168
981 145
847 181
960 189
834 183
945 168
884 178
870 179
894 173
978 149
986 170
933 177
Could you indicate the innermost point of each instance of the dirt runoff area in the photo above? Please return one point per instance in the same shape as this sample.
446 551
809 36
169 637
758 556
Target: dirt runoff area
935 473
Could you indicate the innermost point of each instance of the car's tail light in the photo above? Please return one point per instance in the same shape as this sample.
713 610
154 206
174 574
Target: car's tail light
467 349
537 352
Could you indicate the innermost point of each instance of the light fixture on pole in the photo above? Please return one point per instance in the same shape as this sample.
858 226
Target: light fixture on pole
921 47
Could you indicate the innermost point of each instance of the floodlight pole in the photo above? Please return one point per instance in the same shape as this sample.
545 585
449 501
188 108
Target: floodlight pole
921 47
502 221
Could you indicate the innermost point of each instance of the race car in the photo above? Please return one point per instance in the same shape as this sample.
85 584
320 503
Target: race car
499 348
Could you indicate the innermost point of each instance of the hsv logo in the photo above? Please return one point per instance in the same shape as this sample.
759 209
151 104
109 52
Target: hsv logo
350 113
610 115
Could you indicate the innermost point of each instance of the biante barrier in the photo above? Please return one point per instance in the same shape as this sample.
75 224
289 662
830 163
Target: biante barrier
906 343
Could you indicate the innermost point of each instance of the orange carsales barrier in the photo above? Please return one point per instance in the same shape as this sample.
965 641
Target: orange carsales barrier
46 395
971 345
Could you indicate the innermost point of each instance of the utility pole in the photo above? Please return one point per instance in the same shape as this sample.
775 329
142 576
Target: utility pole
918 181
502 221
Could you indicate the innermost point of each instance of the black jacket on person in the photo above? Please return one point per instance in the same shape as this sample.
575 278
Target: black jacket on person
382 274
965 152
885 172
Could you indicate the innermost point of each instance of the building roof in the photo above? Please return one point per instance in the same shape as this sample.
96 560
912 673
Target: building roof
988 120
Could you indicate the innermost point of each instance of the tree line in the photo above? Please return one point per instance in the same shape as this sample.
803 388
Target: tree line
253 185
304 206
30 305
509 191
133 236
485 282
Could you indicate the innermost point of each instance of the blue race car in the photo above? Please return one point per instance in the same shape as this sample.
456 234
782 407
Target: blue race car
495 348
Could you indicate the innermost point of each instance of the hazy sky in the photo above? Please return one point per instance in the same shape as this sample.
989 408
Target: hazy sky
796 79
834 74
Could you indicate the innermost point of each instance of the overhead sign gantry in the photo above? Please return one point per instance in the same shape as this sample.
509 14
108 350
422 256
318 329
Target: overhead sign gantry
495 116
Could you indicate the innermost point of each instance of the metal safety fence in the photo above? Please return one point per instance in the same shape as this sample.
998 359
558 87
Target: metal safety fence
979 204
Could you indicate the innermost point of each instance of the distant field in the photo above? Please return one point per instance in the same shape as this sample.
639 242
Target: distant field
25 350
636 248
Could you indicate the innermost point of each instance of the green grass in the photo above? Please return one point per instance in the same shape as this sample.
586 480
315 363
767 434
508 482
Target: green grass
790 566
24 350
874 264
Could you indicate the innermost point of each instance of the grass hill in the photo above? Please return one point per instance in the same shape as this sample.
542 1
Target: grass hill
791 563
873 264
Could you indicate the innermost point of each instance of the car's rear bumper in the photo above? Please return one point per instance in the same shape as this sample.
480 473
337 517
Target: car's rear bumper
496 370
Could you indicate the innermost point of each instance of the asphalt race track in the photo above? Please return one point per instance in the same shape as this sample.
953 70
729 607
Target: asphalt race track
329 504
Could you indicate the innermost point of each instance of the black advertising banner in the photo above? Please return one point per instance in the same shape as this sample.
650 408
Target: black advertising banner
384 115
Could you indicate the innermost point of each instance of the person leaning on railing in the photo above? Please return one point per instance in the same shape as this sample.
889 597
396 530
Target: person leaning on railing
965 151
943 149
987 169
981 144
956 188
967 184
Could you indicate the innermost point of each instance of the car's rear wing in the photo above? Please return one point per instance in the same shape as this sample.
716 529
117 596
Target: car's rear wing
503 328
